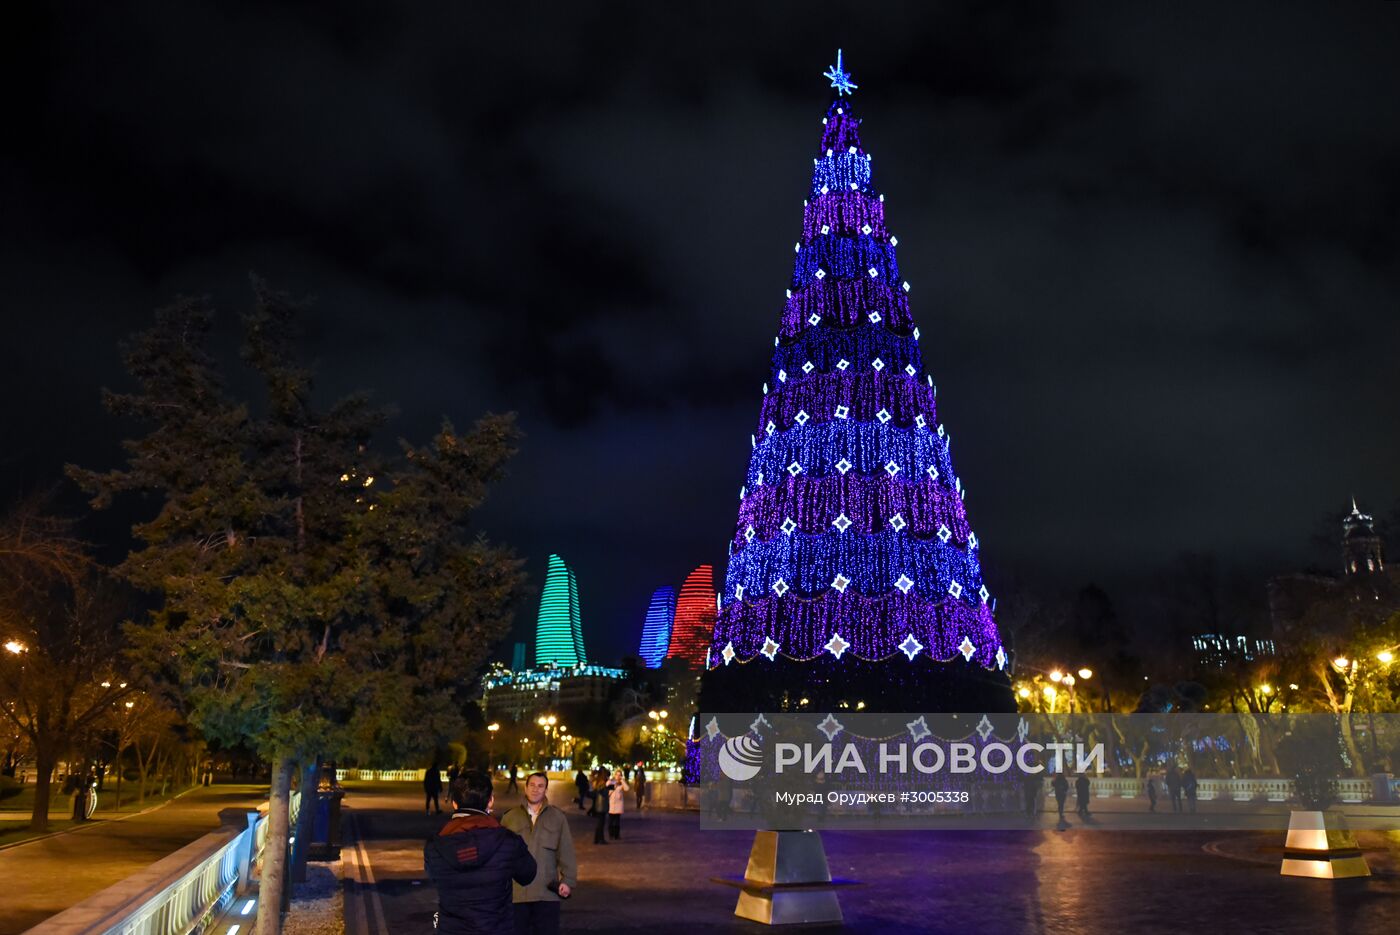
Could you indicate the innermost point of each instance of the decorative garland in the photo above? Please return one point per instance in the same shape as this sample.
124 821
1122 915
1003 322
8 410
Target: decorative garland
828 256
843 447
924 508
875 628
860 392
825 346
833 301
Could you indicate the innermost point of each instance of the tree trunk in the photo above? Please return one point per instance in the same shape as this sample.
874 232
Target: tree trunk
45 761
1358 766
274 864
306 819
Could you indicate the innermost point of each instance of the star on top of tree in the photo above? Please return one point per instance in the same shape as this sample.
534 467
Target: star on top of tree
840 78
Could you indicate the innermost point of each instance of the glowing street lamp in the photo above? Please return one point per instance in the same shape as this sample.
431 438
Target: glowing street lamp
1056 675
16 647
1266 689
1024 692
1386 657
1341 663
1086 673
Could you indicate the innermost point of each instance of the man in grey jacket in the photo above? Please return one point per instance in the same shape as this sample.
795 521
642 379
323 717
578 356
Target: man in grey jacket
546 833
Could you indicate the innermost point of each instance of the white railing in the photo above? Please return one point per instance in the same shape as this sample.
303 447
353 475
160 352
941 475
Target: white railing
385 775
177 895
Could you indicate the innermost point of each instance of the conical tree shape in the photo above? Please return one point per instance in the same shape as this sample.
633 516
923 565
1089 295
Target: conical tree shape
695 617
559 627
853 572
656 630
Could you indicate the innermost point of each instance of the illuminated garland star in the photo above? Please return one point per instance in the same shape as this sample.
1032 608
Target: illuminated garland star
840 79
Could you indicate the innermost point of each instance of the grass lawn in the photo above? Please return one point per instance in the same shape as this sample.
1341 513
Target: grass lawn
15 811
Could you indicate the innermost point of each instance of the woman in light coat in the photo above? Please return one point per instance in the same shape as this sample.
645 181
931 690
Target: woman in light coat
615 800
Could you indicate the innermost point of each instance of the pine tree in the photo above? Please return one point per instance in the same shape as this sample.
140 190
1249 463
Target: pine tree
317 597
854 576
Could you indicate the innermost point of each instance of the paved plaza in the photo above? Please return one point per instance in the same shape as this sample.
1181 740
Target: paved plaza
657 878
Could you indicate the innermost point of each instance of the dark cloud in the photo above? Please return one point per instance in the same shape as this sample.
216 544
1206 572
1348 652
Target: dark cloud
1153 248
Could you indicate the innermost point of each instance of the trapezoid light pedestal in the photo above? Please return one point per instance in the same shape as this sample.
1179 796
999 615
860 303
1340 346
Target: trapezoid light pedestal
787 881
1321 846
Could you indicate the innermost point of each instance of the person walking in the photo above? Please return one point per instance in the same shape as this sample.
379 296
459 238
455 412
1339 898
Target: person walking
473 861
432 790
616 799
1188 786
1030 790
545 831
582 784
1173 781
641 784
1081 793
1061 786
602 790
1151 794
514 772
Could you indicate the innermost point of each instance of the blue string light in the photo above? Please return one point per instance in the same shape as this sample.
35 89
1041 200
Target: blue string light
844 258
840 172
873 564
825 346
868 449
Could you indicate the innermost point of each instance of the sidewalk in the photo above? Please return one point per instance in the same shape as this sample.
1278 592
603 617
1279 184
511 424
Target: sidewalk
1074 881
47 875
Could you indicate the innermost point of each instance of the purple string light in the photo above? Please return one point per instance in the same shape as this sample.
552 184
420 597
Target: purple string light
860 393
813 503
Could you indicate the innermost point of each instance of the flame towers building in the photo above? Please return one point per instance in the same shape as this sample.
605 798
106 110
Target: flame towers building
559 626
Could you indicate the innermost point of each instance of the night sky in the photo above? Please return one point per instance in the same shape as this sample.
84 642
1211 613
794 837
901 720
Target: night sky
1153 248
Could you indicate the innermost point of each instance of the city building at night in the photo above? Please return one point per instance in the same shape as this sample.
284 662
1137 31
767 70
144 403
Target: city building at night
521 695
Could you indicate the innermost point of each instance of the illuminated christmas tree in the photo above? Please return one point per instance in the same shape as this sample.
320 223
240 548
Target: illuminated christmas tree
853 572
559 627
656 630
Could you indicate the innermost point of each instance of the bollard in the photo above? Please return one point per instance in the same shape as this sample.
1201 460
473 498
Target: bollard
787 881
1321 846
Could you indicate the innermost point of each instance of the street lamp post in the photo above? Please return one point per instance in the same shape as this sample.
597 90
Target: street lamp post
491 746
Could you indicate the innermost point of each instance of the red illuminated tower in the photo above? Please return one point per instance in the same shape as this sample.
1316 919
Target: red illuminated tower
695 618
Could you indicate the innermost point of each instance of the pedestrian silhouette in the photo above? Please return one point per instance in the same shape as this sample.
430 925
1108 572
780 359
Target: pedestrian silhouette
582 785
514 772
1081 792
1061 786
1151 794
1188 785
432 790
1173 781
602 795
1031 792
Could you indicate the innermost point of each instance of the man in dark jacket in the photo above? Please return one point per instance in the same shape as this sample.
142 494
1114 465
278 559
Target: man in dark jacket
432 789
473 861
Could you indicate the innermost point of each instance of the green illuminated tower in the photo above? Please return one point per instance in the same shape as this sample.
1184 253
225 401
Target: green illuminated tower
559 628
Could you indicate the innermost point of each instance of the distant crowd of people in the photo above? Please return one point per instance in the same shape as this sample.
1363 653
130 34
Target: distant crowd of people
511 874
1181 789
